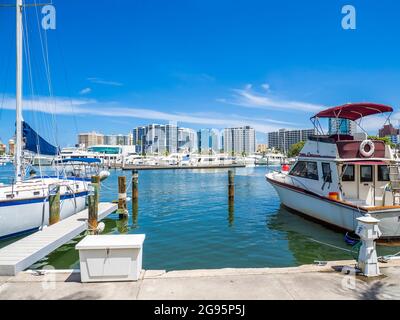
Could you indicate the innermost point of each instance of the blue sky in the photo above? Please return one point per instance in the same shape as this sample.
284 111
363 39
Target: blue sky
271 64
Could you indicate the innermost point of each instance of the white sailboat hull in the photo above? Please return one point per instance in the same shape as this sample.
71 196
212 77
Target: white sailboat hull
32 215
24 207
333 213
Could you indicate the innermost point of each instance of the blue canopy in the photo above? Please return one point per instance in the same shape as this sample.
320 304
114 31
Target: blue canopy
86 160
35 143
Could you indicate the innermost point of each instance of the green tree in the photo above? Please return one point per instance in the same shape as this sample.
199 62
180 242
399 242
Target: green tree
295 149
386 140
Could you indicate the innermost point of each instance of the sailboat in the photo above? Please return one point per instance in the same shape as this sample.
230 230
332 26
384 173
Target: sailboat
24 204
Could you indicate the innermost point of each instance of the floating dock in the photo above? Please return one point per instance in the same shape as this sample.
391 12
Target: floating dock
224 166
21 254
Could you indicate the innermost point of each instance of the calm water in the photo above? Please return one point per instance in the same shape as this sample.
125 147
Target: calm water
189 225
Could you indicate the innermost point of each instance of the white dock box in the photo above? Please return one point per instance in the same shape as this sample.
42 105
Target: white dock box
111 257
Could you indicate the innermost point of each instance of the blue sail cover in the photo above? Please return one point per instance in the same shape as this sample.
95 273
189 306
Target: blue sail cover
35 143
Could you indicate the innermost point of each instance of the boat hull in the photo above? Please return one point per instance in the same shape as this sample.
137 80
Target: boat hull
334 213
31 214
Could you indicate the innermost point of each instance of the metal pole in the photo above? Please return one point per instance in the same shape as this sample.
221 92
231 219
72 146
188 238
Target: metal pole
18 98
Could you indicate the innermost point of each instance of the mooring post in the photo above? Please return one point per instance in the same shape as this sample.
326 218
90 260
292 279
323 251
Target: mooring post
135 185
54 204
231 185
96 184
92 208
122 210
231 212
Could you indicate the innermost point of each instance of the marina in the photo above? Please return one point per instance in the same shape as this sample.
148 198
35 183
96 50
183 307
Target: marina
191 209
191 173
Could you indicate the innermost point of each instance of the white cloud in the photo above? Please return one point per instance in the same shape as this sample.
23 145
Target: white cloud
265 86
82 106
251 99
105 82
85 91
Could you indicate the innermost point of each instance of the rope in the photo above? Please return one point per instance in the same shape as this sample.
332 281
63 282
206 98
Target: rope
331 245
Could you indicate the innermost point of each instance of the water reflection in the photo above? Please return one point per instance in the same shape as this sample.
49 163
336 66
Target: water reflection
135 213
231 212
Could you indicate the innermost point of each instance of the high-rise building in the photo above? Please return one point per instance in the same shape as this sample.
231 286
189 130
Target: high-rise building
240 140
208 141
341 126
284 139
187 140
156 139
90 139
388 130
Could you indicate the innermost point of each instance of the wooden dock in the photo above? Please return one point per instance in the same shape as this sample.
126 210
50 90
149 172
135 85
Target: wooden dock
22 254
223 166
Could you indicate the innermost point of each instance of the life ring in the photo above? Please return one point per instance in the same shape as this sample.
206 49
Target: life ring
371 150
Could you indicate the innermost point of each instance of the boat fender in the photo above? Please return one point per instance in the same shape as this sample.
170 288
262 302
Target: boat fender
371 150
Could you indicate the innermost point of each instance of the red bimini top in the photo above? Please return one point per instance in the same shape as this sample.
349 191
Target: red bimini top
353 111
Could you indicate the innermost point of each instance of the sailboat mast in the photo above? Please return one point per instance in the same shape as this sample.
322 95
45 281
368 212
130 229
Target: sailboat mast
18 142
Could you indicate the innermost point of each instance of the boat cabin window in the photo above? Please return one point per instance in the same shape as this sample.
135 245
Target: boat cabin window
366 174
348 173
326 172
383 173
305 169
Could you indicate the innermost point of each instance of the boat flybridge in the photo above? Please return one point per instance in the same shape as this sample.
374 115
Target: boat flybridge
338 178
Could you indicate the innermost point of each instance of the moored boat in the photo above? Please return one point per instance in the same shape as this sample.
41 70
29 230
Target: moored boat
338 178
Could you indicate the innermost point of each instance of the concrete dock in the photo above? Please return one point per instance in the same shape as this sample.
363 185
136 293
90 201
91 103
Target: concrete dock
23 253
298 283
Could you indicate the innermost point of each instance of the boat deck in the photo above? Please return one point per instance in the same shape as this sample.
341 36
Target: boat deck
21 254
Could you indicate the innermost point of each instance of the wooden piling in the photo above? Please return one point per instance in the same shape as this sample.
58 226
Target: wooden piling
231 212
135 212
54 205
135 185
122 209
93 204
231 185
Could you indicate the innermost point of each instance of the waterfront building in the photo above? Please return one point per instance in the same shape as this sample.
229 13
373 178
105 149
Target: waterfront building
341 126
262 148
90 139
208 141
284 139
117 140
388 130
11 147
156 139
187 140
3 147
240 140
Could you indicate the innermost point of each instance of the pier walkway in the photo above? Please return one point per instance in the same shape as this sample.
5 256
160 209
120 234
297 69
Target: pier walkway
23 253
298 283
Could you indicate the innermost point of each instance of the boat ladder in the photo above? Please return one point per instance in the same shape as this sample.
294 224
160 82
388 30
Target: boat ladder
394 176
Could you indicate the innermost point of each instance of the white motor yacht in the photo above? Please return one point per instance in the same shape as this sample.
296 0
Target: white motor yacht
337 178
